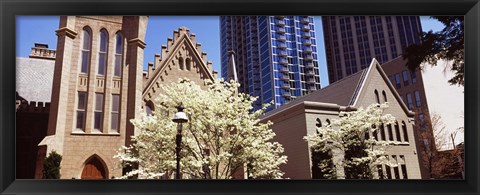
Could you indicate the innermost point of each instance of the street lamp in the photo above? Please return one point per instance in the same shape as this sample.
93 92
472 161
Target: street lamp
180 117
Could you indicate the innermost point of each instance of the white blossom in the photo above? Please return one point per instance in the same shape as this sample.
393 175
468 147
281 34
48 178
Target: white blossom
222 137
350 130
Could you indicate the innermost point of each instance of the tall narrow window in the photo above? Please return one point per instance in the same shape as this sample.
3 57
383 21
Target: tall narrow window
380 172
188 64
102 53
377 98
388 170
97 123
384 96
405 133
390 132
405 78
397 132
418 102
404 167
397 81
115 111
118 55
414 77
382 132
87 40
82 100
180 63
409 101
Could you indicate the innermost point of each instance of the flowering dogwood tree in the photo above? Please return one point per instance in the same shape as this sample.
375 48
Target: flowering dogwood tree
355 134
222 139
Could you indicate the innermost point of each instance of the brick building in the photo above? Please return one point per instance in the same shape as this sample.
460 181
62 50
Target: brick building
98 85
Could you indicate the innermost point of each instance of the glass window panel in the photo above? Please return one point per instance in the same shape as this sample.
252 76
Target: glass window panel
86 40
103 41
101 63
99 101
118 63
98 119
119 44
85 59
80 119
115 102
115 121
81 100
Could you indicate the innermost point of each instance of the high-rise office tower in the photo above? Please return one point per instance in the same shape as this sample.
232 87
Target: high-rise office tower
275 56
352 41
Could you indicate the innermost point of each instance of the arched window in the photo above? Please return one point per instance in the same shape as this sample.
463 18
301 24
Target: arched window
149 107
376 97
397 131
390 132
86 48
405 133
102 52
382 132
384 96
319 123
180 63
118 55
188 64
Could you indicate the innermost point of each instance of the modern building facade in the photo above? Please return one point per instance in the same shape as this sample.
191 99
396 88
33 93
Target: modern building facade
301 117
351 41
97 84
275 56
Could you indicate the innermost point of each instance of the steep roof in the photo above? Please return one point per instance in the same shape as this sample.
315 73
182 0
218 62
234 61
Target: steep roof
182 39
342 92
34 79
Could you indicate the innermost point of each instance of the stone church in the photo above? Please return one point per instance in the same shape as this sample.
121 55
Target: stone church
98 85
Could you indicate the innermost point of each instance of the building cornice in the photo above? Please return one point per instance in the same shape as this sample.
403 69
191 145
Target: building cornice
65 31
137 42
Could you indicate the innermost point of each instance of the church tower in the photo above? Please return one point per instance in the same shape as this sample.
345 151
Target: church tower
97 89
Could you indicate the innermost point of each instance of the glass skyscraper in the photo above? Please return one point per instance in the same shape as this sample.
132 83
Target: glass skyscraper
275 56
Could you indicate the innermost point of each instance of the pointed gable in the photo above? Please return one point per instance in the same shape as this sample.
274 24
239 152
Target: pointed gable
376 79
182 57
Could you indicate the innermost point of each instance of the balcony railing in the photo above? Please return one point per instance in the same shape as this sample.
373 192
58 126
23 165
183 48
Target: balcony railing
281 37
307 49
308 57
310 73
284 69
307 42
309 66
280 23
306 35
280 30
282 45
306 28
305 20
311 81
282 53
283 61
285 77
286 94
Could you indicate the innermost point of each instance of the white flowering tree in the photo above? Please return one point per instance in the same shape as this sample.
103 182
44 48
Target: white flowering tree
355 135
222 139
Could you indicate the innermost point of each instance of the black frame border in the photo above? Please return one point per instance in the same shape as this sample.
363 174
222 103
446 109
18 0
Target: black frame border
10 8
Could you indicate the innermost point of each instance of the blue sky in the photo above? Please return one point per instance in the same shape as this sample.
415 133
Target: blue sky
41 29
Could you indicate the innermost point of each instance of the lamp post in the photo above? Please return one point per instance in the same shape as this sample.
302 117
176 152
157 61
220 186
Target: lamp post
180 117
